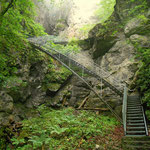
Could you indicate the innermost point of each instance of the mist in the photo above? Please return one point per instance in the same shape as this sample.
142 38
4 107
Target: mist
53 15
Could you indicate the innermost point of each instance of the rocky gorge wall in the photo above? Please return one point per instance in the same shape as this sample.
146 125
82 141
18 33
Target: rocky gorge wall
37 80
115 49
41 80
113 45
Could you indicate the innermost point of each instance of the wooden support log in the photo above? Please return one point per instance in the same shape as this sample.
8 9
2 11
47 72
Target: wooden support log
83 102
96 109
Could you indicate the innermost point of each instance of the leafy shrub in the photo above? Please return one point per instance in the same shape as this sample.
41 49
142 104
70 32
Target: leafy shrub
15 26
62 129
143 82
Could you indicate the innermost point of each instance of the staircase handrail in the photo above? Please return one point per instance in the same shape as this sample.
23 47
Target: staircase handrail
86 69
53 56
105 74
124 109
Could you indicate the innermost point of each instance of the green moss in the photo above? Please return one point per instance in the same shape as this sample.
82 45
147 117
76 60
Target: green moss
3 138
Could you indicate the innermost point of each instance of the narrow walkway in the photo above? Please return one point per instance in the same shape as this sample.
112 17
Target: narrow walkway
136 123
133 115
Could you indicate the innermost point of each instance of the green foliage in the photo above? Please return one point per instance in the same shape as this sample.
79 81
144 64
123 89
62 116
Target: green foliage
105 9
62 129
15 25
85 29
3 136
65 49
55 78
143 82
138 8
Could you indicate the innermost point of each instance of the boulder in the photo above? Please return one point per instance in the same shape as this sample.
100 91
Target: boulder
120 62
6 102
5 118
102 46
140 40
137 26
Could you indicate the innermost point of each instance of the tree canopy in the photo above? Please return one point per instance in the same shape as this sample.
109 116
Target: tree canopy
16 24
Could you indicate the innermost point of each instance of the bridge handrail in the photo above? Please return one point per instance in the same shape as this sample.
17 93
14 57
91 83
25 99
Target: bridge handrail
53 56
83 67
124 109
104 73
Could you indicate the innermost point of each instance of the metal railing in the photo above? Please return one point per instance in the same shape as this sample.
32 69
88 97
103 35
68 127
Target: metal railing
94 67
68 60
119 84
145 123
68 63
124 109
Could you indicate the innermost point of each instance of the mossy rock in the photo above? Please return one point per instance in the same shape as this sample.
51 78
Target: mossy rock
54 87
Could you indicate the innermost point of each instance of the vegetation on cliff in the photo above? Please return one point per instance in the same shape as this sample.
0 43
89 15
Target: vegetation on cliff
16 24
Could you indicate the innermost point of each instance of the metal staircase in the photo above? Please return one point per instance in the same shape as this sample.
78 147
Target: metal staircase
80 71
133 115
136 123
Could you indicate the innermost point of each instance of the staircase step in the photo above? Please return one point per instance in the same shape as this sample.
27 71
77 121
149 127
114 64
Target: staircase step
134 106
134 112
133 117
136 127
136 109
138 147
133 102
135 136
142 142
135 124
135 121
130 106
136 132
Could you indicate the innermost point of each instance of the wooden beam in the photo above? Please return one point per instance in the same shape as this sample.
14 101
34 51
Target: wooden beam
83 102
96 109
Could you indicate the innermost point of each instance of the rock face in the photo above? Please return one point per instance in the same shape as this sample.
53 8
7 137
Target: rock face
118 57
6 108
120 61
35 82
115 49
137 26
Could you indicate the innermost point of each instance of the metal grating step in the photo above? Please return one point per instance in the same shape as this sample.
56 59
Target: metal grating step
136 127
134 112
133 132
135 124
139 147
134 109
133 104
140 114
134 121
130 106
133 117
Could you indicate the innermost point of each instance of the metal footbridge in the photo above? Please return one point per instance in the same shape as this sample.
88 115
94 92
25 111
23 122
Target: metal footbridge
133 117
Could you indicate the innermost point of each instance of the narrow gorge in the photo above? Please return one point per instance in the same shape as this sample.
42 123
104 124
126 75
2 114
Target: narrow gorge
73 100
